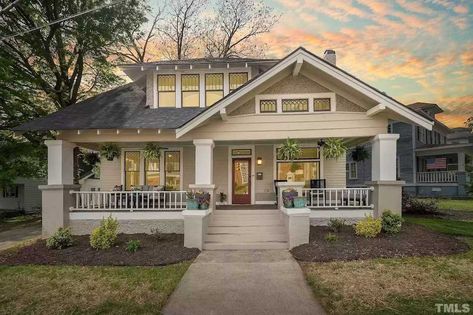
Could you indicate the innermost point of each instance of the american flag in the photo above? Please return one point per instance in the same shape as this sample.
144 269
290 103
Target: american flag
436 163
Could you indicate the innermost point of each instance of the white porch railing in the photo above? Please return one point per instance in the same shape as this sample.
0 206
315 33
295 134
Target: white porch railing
129 200
336 198
437 177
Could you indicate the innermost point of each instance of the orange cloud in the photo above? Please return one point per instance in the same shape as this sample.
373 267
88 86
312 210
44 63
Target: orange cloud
460 9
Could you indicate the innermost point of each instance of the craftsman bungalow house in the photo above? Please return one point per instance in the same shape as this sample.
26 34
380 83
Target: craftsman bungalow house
220 123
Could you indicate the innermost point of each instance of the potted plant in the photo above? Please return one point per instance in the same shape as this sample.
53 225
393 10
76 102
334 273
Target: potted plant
300 202
290 150
222 197
152 151
288 196
203 198
110 151
360 153
191 201
334 148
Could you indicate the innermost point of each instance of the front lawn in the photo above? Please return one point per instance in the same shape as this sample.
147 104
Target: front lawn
87 290
19 221
454 204
410 285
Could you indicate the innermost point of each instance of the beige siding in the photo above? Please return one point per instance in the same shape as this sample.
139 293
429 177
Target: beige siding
221 169
334 172
264 188
297 84
245 109
188 167
344 105
110 174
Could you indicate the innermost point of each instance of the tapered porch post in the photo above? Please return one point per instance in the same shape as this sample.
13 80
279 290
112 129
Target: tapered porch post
196 221
387 190
56 199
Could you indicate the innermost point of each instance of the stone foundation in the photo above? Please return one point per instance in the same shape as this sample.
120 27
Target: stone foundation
82 227
324 221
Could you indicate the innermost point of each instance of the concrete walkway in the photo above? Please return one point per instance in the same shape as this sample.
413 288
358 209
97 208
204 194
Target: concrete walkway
17 235
243 282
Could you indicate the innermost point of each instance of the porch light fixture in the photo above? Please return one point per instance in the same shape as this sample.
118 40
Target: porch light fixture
259 160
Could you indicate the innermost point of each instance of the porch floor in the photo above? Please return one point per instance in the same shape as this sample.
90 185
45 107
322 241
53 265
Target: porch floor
247 207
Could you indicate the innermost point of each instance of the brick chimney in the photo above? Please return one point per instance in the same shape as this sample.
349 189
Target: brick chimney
330 56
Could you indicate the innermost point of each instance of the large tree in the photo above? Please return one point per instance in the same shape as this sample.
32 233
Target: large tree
234 30
469 123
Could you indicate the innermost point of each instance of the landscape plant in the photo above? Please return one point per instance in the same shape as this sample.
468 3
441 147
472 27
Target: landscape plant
133 245
105 235
288 196
152 151
368 227
391 222
334 148
412 205
61 239
330 237
360 153
290 150
336 224
203 199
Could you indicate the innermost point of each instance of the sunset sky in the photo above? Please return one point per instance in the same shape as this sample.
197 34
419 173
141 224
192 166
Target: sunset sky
412 50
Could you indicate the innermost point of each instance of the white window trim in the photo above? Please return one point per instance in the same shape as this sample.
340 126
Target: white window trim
302 145
161 165
309 96
230 175
201 72
350 168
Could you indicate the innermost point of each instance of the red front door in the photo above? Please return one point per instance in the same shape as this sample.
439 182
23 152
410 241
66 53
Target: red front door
241 179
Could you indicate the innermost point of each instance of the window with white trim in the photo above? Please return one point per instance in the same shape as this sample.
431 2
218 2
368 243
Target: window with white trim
237 79
322 105
268 106
10 191
213 88
352 170
190 90
295 105
303 169
166 90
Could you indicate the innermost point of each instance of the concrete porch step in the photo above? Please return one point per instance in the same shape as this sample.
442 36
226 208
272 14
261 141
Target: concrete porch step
244 220
246 238
243 246
246 229
247 212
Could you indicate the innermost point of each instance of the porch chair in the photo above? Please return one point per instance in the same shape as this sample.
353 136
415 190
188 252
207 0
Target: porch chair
320 183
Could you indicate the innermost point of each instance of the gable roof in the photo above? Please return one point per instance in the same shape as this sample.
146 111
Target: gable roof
121 108
303 55
197 61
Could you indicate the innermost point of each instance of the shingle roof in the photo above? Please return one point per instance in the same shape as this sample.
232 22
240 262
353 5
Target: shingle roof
121 108
209 60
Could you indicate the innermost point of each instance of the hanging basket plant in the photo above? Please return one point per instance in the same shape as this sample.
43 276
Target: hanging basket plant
110 151
290 150
360 153
334 148
152 151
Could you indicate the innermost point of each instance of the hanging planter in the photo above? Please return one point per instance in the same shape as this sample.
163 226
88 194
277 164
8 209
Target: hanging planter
360 153
290 150
110 151
334 148
152 151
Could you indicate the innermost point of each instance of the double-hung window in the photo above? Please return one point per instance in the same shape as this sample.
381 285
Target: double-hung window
152 174
172 167
303 169
10 191
166 90
213 88
352 170
190 90
132 169
237 79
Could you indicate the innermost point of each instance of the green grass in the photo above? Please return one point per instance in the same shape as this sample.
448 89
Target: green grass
400 285
21 220
451 227
455 204
87 290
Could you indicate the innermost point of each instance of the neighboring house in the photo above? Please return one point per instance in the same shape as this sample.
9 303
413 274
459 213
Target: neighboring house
220 123
431 162
23 195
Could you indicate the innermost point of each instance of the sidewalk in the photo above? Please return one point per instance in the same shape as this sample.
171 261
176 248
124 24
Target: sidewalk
18 235
243 282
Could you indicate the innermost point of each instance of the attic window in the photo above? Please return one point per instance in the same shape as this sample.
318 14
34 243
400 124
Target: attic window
295 105
321 104
267 106
190 90
213 88
237 79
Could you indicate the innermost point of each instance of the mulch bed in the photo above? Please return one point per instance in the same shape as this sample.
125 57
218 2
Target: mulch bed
413 240
154 251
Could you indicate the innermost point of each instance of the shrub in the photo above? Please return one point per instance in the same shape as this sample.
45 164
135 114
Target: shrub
61 239
133 245
330 237
368 227
156 232
391 222
105 235
417 206
336 225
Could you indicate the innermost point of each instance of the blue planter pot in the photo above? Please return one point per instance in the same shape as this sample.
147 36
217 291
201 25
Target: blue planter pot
192 204
299 202
204 206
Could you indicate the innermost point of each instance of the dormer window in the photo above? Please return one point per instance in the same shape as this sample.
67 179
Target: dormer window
237 79
321 104
167 90
190 90
213 88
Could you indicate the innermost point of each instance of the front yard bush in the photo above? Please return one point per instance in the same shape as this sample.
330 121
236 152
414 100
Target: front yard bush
133 245
368 227
336 224
105 235
61 239
391 222
412 205
330 237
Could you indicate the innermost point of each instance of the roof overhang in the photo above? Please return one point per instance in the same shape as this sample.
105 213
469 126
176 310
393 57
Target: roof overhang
291 61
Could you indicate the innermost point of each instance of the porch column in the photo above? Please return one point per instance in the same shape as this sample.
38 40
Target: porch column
387 190
196 221
56 199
